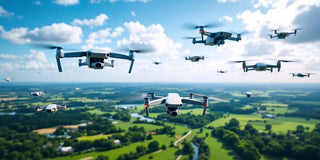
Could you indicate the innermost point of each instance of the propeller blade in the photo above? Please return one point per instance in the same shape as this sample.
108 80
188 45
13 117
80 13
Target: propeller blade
192 26
236 61
188 37
59 64
144 50
286 60
131 65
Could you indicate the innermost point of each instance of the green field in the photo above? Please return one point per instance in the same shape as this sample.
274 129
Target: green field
92 138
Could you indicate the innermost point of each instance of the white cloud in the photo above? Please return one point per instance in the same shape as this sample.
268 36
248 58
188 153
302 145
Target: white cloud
37 3
56 33
35 60
98 21
8 57
133 14
225 1
226 18
152 36
66 2
101 37
5 13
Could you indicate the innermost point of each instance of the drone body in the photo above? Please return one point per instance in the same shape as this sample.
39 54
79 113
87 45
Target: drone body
249 94
213 38
156 62
40 93
221 71
8 79
261 66
282 35
194 58
51 108
173 102
301 74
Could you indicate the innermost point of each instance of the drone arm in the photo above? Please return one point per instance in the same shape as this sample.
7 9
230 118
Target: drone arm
157 102
191 101
235 38
75 54
120 56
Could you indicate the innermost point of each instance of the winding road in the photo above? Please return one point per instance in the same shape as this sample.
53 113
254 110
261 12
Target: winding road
179 140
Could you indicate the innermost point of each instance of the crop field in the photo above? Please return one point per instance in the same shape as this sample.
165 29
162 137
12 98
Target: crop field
95 137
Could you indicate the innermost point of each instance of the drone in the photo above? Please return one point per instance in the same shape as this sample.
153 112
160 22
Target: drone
260 66
301 74
156 62
249 94
282 35
40 93
221 71
194 58
51 108
8 79
215 38
94 60
173 102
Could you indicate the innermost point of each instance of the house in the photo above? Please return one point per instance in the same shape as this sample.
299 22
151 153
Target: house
117 142
67 149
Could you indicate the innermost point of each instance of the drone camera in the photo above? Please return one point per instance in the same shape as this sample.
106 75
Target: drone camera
172 111
97 65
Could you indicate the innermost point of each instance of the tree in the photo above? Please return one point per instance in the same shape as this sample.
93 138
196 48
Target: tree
187 148
300 129
149 137
268 126
163 147
153 146
141 149
233 123
102 157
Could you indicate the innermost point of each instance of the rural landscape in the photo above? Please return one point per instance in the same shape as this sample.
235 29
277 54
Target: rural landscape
106 121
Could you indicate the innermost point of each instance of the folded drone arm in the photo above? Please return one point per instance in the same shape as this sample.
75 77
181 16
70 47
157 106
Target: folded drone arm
120 56
192 101
75 54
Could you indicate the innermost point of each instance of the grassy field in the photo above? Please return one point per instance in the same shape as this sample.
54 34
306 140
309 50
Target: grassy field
113 154
92 138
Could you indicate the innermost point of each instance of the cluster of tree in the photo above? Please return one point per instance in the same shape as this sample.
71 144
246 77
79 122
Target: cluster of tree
248 143
233 107
158 123
15 145
166 130
24 123
188 149
122 115
194 121
99 126
305 110
142 150
204 150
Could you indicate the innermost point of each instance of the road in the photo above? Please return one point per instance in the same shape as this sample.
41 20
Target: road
179 140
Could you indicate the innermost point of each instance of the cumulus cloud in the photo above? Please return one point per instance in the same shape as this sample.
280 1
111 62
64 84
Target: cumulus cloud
5 13
101 37
133 14
226 18
98 21
38 3
66 2
152 36
33 60
7 57
55 33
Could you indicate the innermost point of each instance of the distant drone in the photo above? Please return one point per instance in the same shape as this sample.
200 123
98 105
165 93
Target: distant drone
221 71
173 101
249 94
51 108
93 59
194 58
156 62
40 93
261 66
215 38
8 79
282 35
301 74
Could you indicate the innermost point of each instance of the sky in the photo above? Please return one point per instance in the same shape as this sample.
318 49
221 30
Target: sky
109 25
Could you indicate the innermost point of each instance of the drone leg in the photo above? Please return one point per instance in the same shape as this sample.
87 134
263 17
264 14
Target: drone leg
146 105
204 111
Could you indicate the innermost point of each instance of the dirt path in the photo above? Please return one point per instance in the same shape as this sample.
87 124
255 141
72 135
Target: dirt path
179 140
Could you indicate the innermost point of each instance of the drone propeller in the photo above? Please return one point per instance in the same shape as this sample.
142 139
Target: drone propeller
49 46
189 37
192 26
145 50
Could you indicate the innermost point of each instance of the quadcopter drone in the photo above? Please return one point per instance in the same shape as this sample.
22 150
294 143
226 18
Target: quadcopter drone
8 79
301 74
249 94
282 35
40 93
260 66
50 108
94 60
173 101
194 58
221 71
156 62
213 38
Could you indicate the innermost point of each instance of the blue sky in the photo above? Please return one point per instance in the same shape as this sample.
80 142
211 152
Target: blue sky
110 24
